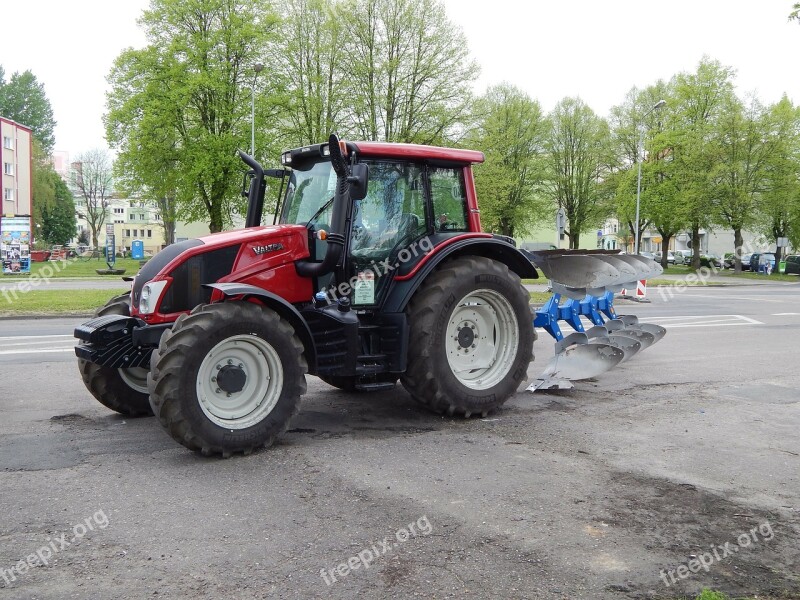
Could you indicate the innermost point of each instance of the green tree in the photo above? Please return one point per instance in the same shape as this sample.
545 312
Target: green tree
742 150
182 104
636 132
511 132
312 66
408 74
58 221
690 133
579 155
780 200
23 99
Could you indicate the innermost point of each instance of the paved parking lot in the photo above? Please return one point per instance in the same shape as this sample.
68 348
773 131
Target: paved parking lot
686 458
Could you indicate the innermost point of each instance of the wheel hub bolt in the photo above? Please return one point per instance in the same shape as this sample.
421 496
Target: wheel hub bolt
218 390
213 379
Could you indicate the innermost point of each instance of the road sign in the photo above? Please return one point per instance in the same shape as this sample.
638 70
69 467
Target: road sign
111 255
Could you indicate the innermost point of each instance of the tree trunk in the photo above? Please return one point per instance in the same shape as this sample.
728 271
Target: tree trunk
215 217
574 240
738 242
665 250
695 247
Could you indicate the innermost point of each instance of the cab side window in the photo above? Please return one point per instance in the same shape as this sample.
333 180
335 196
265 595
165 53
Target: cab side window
449 197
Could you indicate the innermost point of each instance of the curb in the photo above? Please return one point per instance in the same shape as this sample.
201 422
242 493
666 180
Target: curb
24 317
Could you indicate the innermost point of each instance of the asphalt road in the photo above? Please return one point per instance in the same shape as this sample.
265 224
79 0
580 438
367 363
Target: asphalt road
689 452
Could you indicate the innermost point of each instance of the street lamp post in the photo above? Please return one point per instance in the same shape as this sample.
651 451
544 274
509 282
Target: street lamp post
257 68
640 151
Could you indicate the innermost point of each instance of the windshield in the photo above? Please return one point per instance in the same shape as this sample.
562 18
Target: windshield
311 185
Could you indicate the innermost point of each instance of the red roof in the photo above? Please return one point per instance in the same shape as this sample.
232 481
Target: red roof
418 151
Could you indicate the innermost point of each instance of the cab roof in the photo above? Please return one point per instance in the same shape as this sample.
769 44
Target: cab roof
418 151
388 150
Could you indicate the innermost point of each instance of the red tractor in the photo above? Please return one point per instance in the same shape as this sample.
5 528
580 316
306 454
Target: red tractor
377 270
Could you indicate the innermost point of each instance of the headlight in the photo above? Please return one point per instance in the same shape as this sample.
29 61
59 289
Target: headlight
151 294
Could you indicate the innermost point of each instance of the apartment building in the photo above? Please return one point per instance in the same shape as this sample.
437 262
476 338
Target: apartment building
15 177
16 196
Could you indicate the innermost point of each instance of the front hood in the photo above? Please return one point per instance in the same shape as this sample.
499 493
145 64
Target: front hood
226 238
241 255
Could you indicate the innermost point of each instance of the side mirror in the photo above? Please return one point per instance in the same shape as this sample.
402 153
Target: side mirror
358 178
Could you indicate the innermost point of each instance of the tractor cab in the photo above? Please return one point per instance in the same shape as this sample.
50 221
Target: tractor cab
403 200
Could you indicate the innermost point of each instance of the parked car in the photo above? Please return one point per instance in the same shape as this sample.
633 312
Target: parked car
758 261
793 264
670 257
683 257
746 262
649 255
728 260
710 260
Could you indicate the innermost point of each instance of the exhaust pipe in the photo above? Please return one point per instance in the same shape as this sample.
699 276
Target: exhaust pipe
306 268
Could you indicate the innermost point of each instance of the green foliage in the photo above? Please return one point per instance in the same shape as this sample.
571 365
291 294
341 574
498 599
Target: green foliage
780 200
696 105
637 128
511 132
742 150
23 99
707 594
579 155
311 68
180 107
409 74
58 223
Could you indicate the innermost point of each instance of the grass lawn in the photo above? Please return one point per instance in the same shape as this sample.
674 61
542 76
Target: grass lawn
540 297
54 302
75 268
760 276
670 282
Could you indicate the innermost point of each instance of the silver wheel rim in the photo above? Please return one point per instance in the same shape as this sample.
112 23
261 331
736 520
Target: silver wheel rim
135 378
482 339
262 389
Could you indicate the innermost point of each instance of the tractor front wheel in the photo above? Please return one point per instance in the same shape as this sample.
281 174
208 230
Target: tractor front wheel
227 378
121 390
471 338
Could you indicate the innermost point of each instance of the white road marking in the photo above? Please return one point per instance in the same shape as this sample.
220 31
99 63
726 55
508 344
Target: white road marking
34 337
37 351
675 322
785 314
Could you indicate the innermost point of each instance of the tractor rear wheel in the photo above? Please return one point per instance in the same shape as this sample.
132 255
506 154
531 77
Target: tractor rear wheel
121 390
471 338
227 378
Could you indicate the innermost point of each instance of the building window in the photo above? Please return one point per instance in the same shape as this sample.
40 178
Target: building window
119 211
8 194
8 142
149 233
8 168
127 233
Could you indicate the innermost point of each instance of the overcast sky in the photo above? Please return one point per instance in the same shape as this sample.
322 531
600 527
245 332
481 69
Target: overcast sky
551 48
